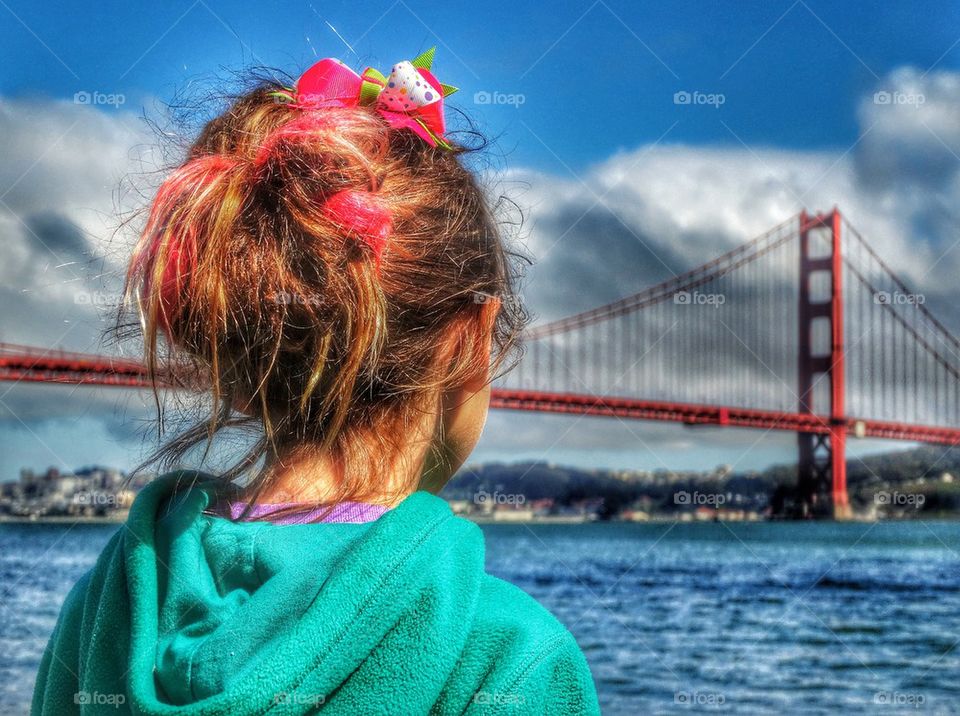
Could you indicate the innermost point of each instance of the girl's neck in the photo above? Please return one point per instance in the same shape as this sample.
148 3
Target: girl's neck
306 476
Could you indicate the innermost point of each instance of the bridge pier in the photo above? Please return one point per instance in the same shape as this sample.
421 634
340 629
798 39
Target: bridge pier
822 458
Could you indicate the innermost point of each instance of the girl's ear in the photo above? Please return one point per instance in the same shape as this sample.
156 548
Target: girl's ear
482 341
463 408
474 334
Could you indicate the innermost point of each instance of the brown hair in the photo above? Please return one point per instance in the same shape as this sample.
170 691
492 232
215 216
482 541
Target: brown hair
301 330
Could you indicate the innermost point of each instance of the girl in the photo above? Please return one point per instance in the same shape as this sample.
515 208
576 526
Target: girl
334 272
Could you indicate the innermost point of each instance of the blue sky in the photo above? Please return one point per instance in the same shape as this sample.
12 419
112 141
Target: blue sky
585 107
597 77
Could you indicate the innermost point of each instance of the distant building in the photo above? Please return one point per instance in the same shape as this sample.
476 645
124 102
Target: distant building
89 492
513 515
704 514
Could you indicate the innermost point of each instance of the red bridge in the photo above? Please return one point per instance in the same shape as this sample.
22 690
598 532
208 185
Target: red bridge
803 329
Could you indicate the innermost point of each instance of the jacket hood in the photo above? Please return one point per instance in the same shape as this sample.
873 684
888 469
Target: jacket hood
187 612
245 617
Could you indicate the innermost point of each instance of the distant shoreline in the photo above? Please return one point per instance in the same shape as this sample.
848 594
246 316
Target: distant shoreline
546 520
62 519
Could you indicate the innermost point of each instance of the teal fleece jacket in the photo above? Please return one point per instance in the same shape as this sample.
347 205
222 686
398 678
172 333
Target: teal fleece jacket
186 612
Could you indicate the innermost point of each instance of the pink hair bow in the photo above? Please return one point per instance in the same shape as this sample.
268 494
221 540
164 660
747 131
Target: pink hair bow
409 98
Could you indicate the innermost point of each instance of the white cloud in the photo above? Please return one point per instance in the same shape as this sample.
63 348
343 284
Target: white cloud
61 270
60 182
899 185
632 221
641 216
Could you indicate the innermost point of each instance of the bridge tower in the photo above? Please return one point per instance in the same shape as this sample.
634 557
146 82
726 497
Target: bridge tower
822 464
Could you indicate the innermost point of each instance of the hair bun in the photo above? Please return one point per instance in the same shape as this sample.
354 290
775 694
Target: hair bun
309 126
361 215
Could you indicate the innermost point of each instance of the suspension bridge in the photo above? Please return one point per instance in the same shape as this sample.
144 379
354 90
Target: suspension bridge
803 329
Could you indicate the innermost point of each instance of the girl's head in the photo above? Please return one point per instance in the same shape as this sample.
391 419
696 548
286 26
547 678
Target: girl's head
340 283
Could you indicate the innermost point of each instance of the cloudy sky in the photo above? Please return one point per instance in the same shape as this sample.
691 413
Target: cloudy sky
794 104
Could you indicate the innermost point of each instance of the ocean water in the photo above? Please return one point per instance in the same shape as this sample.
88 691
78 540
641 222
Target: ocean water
673 618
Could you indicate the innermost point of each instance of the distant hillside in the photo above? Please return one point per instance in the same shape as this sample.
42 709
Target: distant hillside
657 490
567 485
928 460
540 480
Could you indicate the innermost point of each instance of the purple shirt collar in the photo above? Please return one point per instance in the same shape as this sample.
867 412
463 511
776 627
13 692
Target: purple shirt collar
342 513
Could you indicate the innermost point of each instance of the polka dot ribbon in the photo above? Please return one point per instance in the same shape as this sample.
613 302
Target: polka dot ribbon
409 98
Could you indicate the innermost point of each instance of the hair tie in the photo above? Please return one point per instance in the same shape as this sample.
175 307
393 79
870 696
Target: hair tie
361 215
